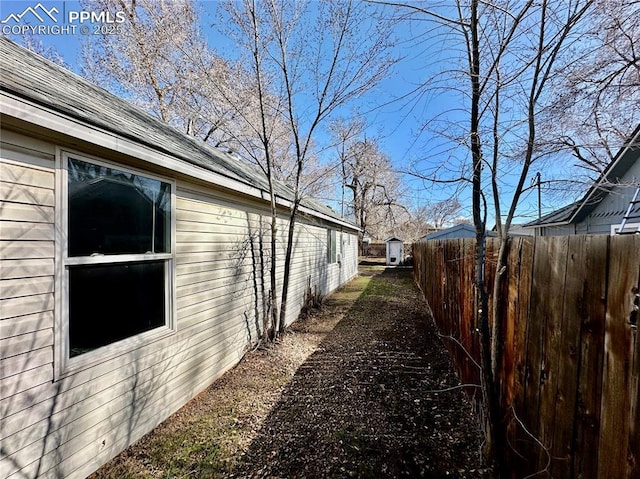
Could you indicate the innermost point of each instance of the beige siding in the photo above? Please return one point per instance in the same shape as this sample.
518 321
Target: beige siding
26 263
71 426
26 274
214 269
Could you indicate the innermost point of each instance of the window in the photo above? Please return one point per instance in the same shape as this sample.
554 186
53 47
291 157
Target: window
331 247
118 260
629 228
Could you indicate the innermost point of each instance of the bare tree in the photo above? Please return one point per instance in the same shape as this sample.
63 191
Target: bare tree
158 60
508 53
34 43
182 81
412 224
597 96
444 213
375 188
307 60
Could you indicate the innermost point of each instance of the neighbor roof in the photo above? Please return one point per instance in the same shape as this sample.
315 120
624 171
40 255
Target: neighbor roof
576 212
40 81
463 227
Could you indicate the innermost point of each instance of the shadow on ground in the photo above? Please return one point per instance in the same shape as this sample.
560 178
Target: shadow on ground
373 400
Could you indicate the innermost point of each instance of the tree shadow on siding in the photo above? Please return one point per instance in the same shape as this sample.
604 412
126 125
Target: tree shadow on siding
26 359
46 421
250 251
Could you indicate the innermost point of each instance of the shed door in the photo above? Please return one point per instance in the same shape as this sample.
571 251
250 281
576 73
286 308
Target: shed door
395 252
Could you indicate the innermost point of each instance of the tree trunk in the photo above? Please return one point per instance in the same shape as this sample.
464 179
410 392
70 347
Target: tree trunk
497 320
287 266
490 405
273 295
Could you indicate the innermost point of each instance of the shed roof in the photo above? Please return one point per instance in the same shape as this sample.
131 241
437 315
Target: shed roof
29 76
577 211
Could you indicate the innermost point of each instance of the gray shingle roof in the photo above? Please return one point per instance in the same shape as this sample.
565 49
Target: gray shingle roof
29 76
561 215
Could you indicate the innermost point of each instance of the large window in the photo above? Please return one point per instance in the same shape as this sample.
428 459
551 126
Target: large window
118 258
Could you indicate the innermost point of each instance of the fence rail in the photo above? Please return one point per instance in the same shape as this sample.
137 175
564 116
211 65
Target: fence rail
570 370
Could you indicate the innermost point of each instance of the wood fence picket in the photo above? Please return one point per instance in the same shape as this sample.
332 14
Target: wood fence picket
570 369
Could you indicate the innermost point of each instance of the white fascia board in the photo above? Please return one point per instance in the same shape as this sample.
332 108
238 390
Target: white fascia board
319 215
32 113
544 225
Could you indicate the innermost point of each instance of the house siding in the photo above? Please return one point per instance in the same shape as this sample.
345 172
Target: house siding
71 426
27 174
561 230
605 204
611 210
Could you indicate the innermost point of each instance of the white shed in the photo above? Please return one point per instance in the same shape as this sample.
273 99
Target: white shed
395 251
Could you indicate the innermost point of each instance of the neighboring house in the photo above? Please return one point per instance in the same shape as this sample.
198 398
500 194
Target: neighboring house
394 251
132 274
519 230
603 207
458 231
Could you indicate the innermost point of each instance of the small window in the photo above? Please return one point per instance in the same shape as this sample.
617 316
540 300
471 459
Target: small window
629 228
118 259
331 247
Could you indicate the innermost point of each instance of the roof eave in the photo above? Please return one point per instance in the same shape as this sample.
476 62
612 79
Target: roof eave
24 110
596 188
544 225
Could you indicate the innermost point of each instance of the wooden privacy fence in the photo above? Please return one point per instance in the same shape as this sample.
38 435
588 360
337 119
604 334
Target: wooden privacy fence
570 372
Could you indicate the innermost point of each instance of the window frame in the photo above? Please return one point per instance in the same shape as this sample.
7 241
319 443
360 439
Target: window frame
616 228
64 364
332 246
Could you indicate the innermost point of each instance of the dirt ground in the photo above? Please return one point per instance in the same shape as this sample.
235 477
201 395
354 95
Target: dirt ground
362 388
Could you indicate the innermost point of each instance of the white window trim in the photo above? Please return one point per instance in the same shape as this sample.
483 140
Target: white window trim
634 227
332 246
64 365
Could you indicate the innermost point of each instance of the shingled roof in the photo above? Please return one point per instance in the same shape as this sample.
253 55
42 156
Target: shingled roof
27 75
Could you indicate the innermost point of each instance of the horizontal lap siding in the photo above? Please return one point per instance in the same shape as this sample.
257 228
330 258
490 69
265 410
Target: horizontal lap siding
72 426
26 255
213 325
310 268
27 180
308 262
215 270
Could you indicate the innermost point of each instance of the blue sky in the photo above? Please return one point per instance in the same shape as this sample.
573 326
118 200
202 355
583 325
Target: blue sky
425 52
